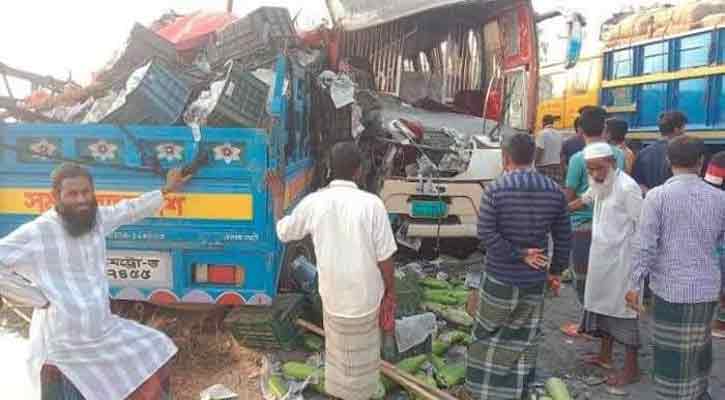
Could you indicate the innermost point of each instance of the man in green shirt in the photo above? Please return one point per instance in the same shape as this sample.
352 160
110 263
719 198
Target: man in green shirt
592 122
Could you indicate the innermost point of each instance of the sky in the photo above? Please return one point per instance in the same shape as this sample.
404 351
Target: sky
78 37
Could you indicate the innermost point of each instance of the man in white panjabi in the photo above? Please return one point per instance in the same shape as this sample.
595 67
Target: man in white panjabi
79 350
617 202
354 245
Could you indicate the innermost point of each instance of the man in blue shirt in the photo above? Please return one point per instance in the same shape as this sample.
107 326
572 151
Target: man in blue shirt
592 122
518 213
651 167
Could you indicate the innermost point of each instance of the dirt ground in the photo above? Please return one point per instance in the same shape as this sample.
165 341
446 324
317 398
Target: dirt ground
209 356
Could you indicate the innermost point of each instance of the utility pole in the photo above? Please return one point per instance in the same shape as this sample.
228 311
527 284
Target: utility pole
230 5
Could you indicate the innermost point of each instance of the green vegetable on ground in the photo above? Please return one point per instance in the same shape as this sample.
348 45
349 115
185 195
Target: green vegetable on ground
556 388
412 365
440 296
451 375
438 362
440 347
454 337
277 386
313 342
298 371
458 317
435 283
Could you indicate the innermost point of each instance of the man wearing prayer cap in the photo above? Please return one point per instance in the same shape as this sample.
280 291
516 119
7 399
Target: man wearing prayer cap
617 201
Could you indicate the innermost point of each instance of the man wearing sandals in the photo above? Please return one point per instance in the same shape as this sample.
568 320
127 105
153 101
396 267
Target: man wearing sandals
617 201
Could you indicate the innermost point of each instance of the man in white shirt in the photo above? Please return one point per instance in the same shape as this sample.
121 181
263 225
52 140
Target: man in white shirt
79 349
548 150
617 202
354 245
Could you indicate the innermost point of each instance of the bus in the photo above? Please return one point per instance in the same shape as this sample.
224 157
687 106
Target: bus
471 68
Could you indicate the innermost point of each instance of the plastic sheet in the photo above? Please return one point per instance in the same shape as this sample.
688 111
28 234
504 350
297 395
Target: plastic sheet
412 331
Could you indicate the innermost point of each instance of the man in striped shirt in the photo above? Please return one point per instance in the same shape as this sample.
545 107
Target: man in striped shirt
681 227
518 213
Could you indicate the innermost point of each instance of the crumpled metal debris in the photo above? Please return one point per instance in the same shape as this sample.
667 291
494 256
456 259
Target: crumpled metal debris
340 87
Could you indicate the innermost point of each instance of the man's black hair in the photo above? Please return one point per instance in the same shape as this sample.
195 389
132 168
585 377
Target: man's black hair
520 147
685 151
548 120
671 120
345 159
68 170
617 129
592 121
577 124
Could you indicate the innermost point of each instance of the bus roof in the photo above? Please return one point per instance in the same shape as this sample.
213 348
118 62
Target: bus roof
354 15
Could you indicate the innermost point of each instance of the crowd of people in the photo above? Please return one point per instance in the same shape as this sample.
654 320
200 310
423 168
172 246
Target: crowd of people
630 227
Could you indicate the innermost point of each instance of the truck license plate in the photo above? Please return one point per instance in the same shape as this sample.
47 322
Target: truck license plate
138 268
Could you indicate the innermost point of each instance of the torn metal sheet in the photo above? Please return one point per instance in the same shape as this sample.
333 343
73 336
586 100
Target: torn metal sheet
360 14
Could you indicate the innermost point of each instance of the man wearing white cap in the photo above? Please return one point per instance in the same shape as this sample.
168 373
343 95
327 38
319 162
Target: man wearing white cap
617 201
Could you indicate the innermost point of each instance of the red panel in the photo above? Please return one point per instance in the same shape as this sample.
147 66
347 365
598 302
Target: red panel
523 19
221 274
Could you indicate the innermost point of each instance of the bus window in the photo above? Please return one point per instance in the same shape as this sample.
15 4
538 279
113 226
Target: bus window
655 58
694 51
552 86
721 102
622 64
690 97
652 102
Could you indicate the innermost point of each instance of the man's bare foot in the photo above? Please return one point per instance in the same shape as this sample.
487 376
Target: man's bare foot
624 378
597 361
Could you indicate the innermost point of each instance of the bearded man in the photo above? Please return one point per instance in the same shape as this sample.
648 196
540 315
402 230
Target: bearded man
617 202
79 350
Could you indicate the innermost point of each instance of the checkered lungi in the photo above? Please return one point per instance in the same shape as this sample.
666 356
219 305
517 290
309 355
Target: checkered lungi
552 171
581 243
56 386
682 349
352 356
501 361
623 330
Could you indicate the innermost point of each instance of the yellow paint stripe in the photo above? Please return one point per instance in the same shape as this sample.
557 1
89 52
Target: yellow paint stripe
229 206
696 134
665 77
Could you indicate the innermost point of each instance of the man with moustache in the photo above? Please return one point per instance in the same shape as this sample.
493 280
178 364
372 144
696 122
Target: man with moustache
79 350
617 200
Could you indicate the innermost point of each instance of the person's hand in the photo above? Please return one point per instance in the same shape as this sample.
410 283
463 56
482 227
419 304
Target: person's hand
632 300
472 302
175 180
536 259
554 282
387 313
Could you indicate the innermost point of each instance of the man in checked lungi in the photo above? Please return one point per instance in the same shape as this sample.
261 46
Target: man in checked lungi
617 200
79 350
682 222
354 246
518 213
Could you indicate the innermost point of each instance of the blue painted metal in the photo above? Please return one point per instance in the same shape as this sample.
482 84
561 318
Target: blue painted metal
701 99
251 243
